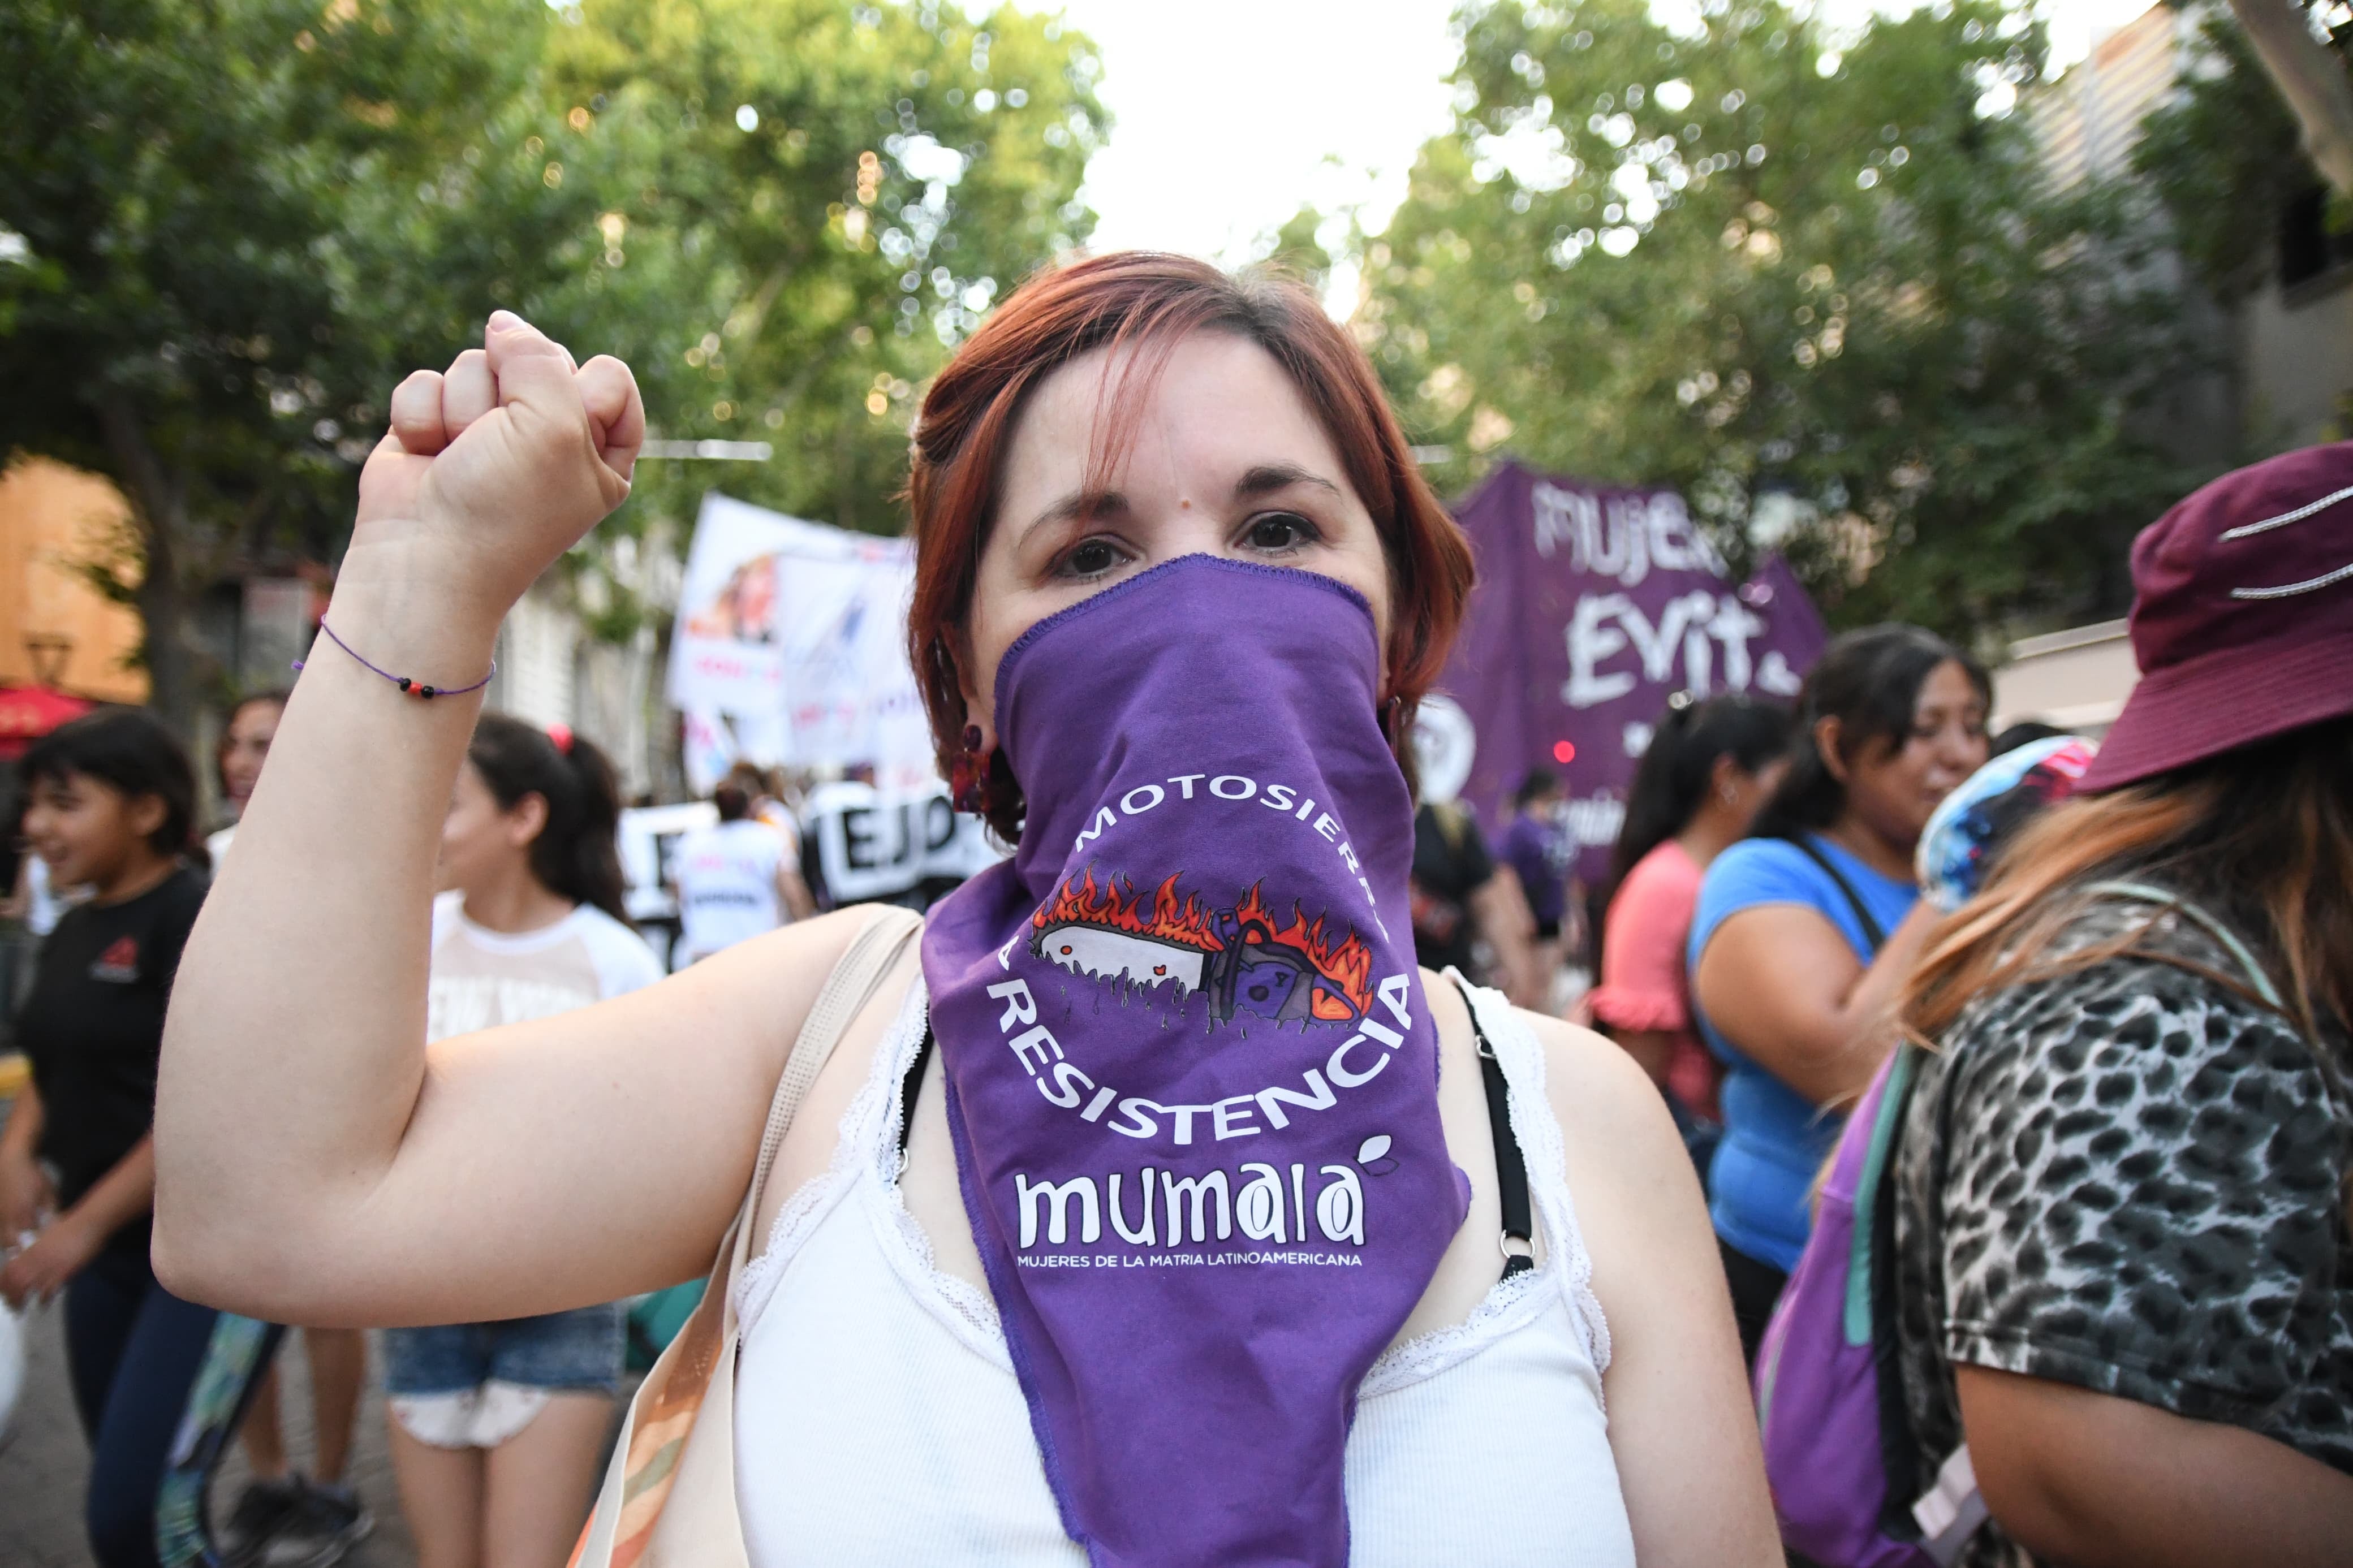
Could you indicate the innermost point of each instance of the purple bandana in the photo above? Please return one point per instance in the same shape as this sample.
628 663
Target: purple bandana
1191 1073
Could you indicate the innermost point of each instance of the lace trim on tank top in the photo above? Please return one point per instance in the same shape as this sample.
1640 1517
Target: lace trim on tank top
869 1135
967 1308
1566 1268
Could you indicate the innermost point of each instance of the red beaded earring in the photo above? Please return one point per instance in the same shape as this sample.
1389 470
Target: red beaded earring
968 773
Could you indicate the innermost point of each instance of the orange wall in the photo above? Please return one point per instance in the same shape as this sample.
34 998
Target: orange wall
50 518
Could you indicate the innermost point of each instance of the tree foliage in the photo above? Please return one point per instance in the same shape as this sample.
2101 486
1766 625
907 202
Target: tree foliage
1754 258
846 188
226 229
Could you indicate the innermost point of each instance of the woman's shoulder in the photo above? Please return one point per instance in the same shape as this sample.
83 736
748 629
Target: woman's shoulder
780 972
1601 1097
1752 858
184 890
2149 1007
625 961
1667 869
1608 1110
1761 871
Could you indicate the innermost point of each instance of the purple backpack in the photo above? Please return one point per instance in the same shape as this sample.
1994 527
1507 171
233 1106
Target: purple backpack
1838 1445
1850 1485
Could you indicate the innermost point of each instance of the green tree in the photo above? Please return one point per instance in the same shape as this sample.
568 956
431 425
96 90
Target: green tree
848 187
226 230
1754 258
174 310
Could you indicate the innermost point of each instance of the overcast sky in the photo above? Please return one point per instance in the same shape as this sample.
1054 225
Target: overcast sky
1232 113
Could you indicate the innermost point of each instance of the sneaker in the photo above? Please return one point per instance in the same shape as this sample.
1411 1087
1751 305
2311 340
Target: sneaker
261 1510
325 1522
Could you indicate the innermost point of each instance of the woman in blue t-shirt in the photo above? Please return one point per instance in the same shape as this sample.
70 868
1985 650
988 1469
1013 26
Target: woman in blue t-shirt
1801 937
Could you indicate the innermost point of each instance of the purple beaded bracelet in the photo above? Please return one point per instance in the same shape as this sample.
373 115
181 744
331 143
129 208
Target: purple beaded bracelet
417 689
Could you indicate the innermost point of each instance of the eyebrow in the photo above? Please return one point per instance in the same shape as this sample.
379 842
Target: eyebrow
1268 478
1264 478
1087 504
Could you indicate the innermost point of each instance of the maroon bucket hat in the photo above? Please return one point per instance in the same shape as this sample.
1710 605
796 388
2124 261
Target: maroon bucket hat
2241 615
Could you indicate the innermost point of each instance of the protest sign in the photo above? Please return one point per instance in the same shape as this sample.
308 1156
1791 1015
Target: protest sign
790 648
1595 605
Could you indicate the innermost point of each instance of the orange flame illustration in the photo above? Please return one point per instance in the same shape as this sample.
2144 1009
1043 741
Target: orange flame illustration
1347 963
1189 923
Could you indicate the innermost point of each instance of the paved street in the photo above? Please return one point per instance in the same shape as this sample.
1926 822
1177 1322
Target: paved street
42 1471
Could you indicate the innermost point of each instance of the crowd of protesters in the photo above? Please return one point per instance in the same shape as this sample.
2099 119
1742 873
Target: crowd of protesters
495 1427
2096 996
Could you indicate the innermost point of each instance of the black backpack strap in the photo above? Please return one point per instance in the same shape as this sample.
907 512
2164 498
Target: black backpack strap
1511 1164
1873 934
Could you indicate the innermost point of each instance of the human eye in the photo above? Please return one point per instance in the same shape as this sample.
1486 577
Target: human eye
1280 532
1089 558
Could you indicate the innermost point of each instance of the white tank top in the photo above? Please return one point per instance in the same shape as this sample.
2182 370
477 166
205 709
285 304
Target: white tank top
879 1423
727 884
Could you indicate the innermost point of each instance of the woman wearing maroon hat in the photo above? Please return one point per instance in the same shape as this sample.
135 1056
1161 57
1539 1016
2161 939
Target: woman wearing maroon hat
2124 1252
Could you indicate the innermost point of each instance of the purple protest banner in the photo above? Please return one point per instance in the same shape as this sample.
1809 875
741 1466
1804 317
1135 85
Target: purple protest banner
1595 605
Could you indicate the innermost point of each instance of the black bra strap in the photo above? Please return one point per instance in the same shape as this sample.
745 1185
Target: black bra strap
908 1088
1511 1165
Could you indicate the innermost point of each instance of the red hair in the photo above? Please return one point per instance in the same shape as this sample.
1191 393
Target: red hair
1149 301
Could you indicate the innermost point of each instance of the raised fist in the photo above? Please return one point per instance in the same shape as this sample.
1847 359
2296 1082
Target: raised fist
496 467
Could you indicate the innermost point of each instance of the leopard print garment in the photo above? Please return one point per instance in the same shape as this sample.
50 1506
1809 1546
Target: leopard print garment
2129 1179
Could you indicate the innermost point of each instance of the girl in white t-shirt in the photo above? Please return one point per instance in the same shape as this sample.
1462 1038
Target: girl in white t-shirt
496 1427
735 878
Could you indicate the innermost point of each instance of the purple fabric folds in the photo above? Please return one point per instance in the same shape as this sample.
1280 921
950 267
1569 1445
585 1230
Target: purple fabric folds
1191 1072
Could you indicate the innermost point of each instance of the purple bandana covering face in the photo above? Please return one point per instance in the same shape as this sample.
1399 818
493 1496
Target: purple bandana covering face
1191 1073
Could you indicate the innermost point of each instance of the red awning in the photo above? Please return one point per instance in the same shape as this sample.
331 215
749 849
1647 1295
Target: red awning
29 712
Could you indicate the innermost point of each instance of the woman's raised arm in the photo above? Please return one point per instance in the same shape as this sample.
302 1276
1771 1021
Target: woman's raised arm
316 1163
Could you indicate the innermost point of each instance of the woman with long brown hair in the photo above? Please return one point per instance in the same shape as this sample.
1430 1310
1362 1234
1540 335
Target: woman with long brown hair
1156 1208
2121 1219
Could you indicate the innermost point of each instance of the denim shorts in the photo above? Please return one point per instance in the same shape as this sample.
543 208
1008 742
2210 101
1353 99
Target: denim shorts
580 1350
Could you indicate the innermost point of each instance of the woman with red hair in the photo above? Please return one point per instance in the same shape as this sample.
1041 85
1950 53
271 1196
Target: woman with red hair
1153 1207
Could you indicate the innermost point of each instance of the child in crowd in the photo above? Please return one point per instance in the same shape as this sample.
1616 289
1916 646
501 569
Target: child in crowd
112 807
496 1427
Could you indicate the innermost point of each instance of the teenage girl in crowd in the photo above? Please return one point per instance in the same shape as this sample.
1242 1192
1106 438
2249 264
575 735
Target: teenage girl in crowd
736 879
496 1425
2121 1193
244 748
112 806
1178 575
1710 765
1800 937
285 1516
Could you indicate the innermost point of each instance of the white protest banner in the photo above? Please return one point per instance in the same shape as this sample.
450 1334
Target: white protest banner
796 632
647 837
726 653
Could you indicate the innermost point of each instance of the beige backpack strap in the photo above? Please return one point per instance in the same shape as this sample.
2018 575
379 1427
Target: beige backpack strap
869 956
668 1495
